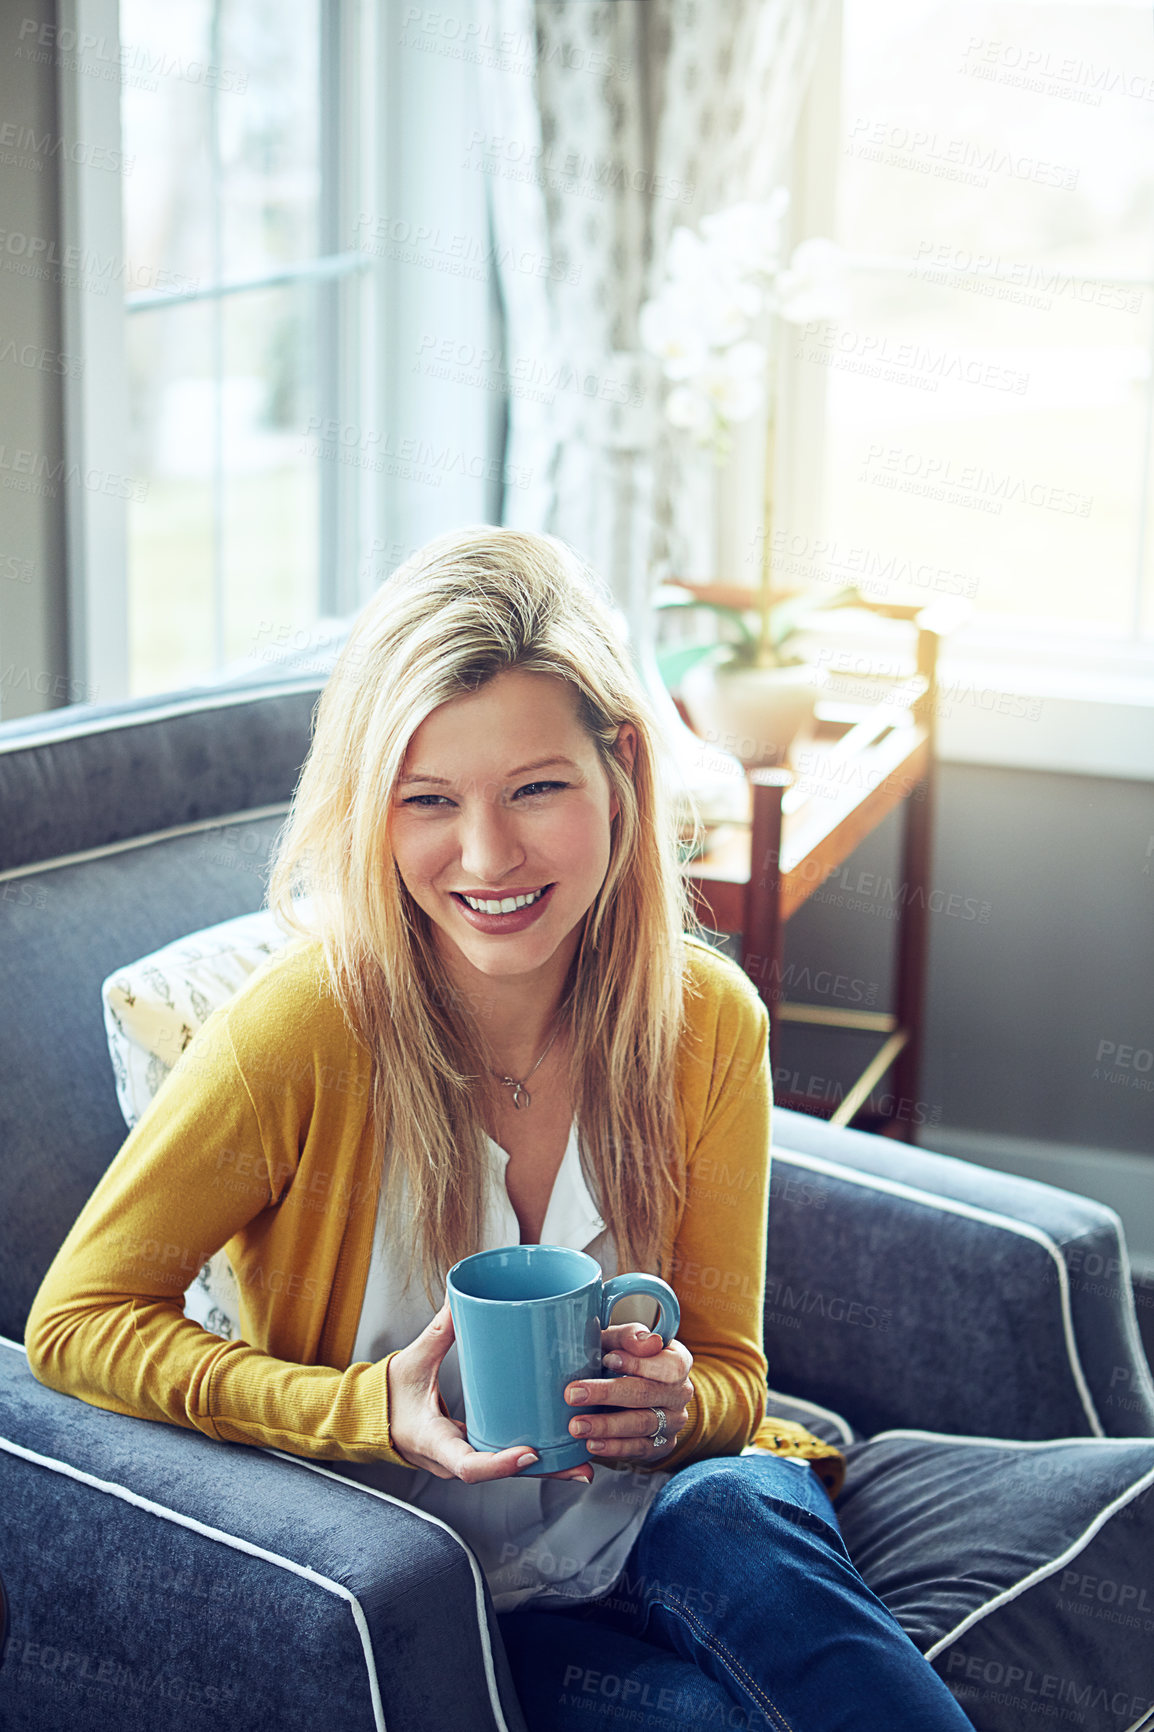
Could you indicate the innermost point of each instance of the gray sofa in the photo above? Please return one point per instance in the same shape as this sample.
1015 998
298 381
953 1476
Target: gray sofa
968 1337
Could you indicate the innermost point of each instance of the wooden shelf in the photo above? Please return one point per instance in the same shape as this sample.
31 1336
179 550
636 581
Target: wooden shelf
860 762
829 805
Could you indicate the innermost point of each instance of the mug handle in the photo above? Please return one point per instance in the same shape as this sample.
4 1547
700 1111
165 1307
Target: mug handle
620 1285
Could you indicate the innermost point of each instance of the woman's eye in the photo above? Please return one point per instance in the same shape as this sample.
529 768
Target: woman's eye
431 802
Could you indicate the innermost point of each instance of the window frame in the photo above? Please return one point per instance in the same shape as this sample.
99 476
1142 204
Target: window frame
95 397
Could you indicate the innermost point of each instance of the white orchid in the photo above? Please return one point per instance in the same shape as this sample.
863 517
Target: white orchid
688 408
734 381
749 235
718 283
729 308
671 328
813 285
706 290
729 388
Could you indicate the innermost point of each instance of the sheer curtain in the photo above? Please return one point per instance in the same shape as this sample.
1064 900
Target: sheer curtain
605 125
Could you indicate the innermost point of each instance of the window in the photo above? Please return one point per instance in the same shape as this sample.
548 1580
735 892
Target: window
241 122
287 171
979 424
989 396
224 314
225 343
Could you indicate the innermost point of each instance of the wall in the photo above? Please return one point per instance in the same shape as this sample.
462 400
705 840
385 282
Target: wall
1039 1052
33 656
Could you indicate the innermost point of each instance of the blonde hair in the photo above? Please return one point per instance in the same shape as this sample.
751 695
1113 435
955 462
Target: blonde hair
463 609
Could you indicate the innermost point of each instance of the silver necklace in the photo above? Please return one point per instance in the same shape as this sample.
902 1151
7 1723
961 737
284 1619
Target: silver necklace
521 1095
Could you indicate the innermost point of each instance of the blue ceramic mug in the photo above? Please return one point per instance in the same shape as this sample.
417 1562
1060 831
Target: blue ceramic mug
528 1322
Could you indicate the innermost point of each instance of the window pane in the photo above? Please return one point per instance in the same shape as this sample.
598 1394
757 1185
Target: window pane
269 139
271 468
221 114
170 532
264 496
165 123
255 64
988 400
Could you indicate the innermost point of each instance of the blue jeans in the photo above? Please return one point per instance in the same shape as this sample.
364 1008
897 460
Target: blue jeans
741 1573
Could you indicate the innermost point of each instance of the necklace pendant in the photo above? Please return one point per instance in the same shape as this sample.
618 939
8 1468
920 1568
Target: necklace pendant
521 1096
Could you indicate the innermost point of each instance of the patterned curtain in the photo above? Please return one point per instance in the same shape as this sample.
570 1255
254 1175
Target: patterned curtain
607 123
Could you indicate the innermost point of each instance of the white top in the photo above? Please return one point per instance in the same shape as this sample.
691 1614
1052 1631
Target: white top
534 1538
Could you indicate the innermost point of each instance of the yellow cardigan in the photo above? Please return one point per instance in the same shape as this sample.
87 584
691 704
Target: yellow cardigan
261 1140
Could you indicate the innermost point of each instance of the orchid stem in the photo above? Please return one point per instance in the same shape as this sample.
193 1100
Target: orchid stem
766 656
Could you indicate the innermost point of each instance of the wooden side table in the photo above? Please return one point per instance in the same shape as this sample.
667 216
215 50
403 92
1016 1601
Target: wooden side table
869 758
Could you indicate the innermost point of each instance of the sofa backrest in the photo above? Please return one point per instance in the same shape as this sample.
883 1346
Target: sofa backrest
120 830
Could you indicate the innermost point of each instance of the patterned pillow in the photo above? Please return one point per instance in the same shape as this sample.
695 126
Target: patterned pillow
152 1010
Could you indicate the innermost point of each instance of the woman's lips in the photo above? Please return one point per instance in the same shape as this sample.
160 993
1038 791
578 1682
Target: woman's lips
515 921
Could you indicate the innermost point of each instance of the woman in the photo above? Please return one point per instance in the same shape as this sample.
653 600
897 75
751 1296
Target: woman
492 1028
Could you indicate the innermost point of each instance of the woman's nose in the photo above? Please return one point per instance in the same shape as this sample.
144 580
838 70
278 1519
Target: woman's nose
490 846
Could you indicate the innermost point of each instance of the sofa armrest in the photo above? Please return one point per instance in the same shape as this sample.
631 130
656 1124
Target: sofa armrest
157 1577
907 1288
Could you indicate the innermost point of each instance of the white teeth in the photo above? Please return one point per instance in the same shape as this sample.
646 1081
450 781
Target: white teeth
507 904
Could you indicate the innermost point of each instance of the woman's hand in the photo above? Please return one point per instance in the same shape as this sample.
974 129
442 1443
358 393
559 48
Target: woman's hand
655 1376
423 1436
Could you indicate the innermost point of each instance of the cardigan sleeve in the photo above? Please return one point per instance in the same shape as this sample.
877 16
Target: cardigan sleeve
718 1265
108 1325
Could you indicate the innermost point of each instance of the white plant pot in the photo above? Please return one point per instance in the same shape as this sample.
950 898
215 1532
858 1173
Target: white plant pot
755 713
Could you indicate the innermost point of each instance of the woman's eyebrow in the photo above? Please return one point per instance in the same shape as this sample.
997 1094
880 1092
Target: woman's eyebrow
521 770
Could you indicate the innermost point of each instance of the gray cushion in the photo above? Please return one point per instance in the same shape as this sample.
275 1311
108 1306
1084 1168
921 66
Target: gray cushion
1024 1571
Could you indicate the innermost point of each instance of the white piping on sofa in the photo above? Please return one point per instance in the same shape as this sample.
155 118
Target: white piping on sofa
109 848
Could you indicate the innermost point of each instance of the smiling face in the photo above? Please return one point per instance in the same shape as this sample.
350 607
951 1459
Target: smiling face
502 795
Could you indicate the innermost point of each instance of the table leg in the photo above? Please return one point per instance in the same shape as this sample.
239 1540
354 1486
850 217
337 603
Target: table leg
762 925
913 935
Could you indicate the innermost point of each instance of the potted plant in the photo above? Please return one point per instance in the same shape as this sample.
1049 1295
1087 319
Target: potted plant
750 691
721 287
